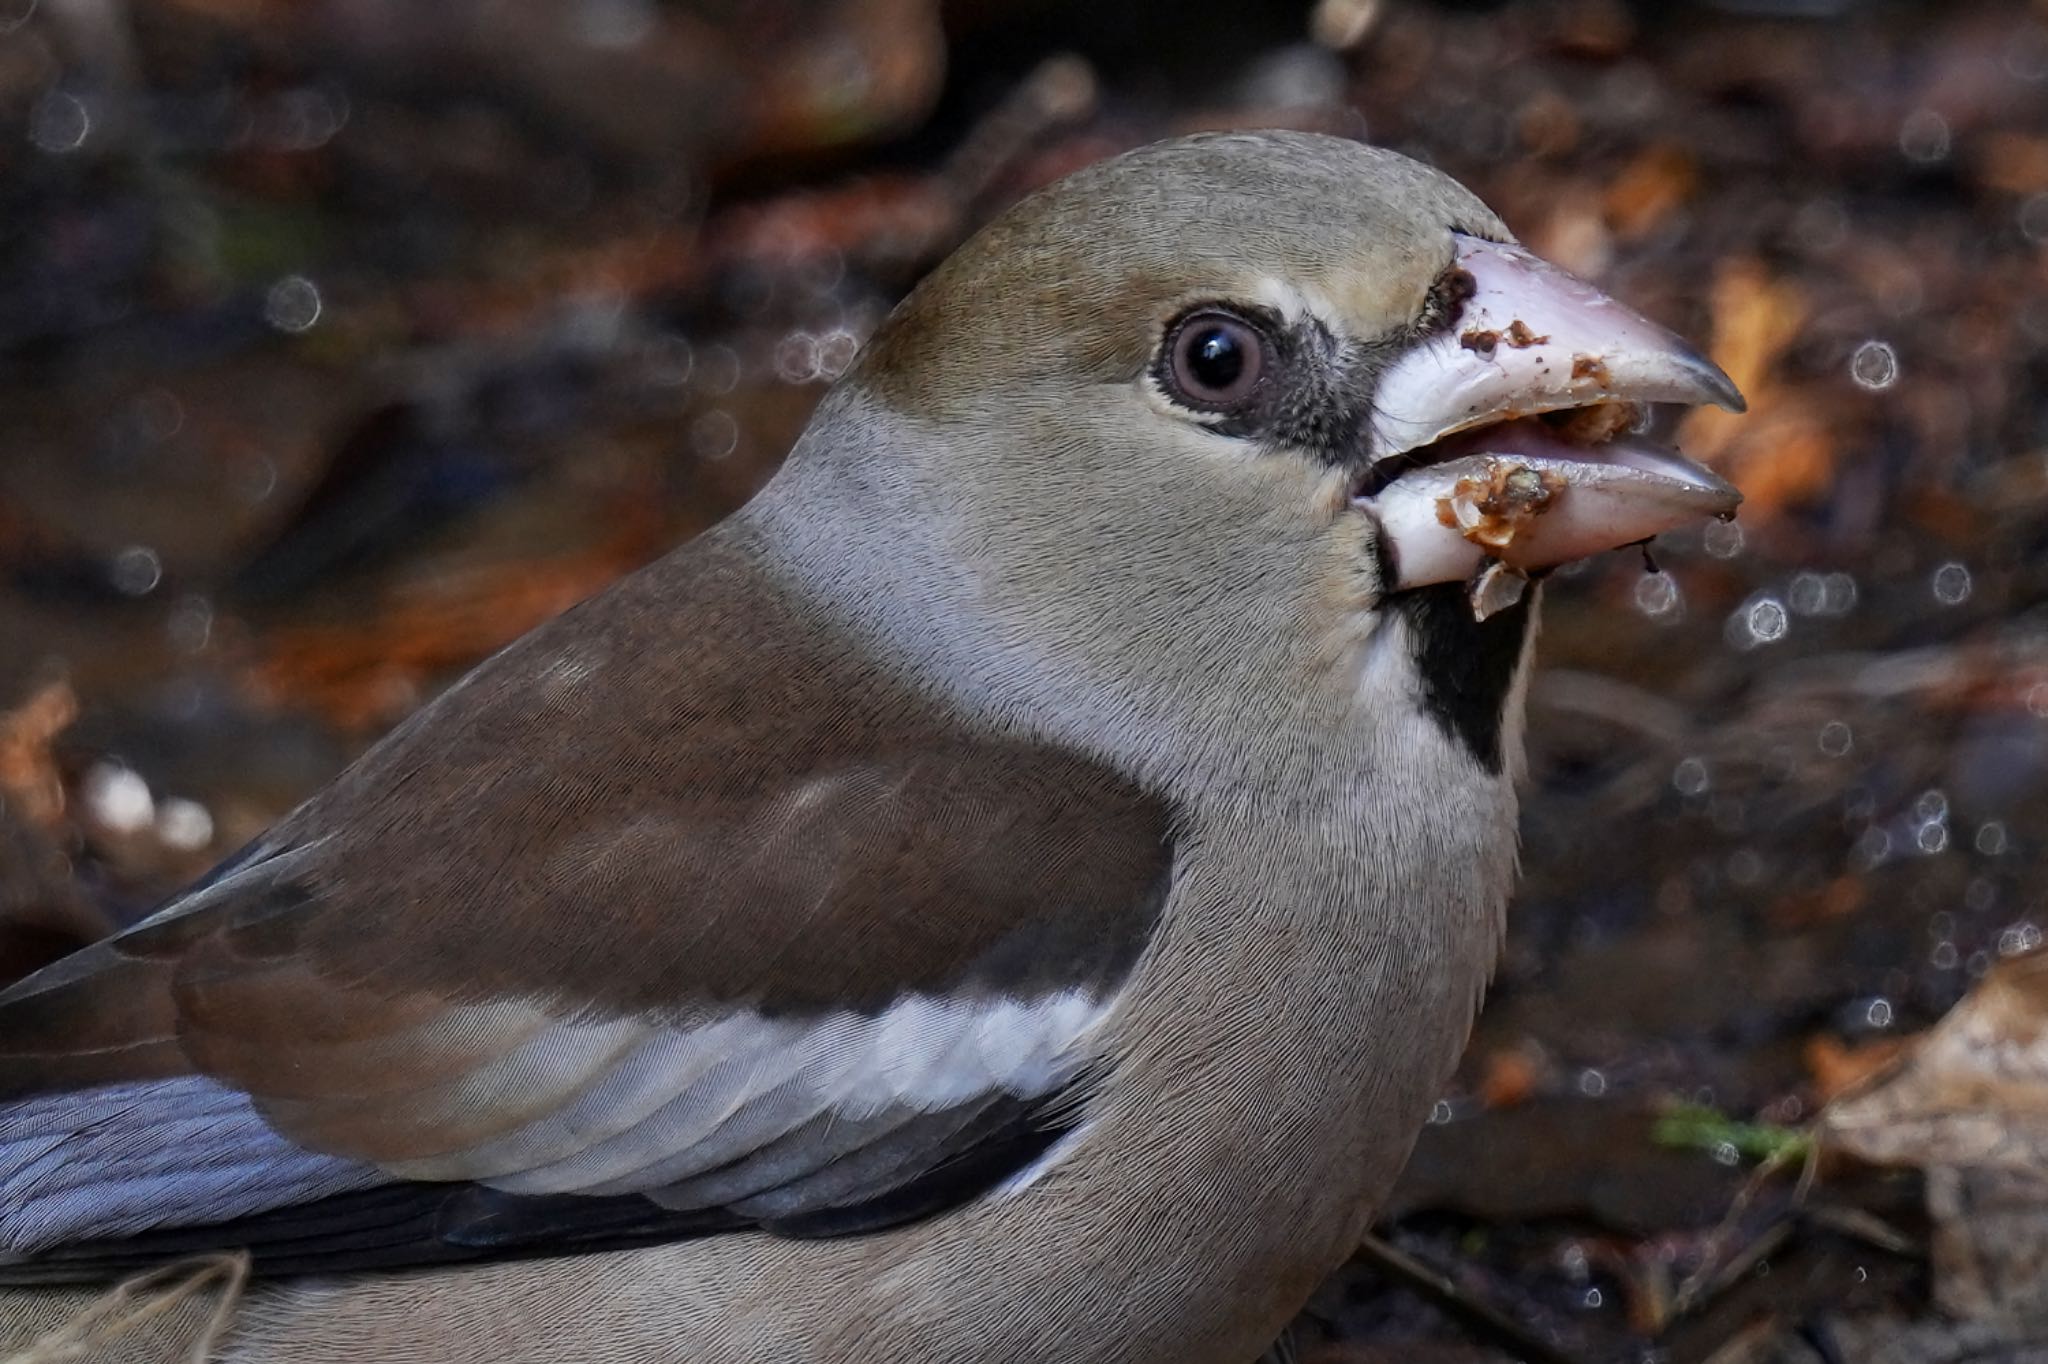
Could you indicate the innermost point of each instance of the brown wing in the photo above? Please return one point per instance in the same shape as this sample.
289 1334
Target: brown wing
675 897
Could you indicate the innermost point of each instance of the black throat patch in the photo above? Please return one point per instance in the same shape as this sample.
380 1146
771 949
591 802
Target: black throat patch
1467 666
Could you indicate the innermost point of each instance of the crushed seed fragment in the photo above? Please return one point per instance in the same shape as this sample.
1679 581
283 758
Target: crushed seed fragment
1494 588
1490 508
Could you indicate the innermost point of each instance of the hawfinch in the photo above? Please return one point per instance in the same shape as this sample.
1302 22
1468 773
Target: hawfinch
1012 892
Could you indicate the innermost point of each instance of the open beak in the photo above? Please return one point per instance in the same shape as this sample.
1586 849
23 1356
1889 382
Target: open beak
1514 438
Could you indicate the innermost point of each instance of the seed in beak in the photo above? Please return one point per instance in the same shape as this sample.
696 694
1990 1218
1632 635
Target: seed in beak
1491 506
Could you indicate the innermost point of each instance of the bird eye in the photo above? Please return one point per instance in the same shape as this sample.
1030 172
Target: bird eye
1215 360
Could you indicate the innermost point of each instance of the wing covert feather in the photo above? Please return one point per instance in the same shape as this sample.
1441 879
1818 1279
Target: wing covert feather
611 918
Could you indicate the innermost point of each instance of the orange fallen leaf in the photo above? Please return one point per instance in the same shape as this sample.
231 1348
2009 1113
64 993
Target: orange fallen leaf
2013 162
1510 1077
28 772
1649 190
1547 124
1782 451
1837 899
1838 1067
364 675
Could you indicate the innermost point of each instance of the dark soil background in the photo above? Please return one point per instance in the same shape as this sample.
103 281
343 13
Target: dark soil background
343 340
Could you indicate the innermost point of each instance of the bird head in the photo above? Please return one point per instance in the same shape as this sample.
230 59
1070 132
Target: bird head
1169 438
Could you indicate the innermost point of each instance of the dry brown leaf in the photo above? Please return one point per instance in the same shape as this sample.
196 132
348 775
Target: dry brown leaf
1598 29
1782 451
28 773
1990 1244
1838 1068
1974 1092
1547 124
1574 233
1510 1077
1755 318
1837 899
1969 1105
1649 190
363 677
367 672
2014 162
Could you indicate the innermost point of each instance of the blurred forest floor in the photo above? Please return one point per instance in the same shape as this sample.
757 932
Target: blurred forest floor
343 340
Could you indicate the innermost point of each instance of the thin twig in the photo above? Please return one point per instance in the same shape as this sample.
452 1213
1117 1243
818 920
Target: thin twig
1690 1290
1484 1321
1867 1227
1763 1246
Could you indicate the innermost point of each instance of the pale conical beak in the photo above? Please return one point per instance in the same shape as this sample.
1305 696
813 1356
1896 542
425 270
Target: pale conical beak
1463 476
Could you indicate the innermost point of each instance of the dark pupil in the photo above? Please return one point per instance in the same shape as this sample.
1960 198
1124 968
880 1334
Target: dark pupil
1216 359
